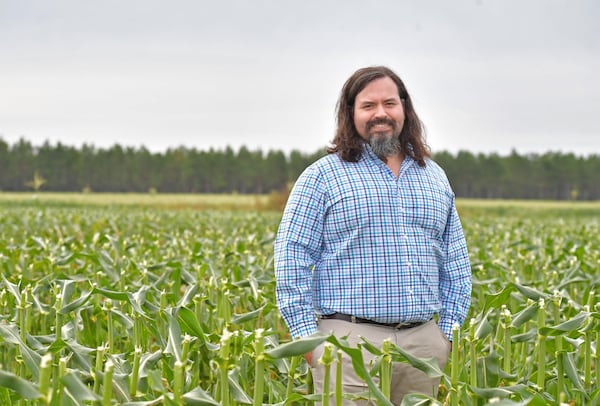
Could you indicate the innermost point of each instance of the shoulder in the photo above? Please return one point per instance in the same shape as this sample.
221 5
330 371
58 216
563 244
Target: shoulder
323 166
311 190
329 161
435 168
315 175
328 174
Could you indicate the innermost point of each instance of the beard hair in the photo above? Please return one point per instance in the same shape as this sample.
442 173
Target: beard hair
384 146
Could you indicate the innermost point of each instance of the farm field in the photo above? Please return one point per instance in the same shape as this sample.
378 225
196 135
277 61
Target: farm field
165 201
153 299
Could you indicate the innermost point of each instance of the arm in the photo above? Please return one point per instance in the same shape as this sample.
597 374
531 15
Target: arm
297 249
455 276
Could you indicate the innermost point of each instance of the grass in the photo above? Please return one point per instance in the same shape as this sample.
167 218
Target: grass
253 201
538 209
166 201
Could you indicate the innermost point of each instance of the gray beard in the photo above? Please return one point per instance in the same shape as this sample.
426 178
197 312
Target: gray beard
384 146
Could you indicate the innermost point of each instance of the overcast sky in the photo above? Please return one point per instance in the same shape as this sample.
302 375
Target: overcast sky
485 76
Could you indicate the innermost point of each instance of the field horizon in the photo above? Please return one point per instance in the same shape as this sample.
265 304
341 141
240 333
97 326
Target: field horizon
234 201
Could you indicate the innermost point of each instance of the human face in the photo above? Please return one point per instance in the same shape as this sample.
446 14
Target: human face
378 110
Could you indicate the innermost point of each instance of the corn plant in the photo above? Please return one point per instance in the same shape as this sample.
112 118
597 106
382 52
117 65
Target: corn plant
142 306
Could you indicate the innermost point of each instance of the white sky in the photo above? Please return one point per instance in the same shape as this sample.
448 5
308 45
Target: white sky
485 76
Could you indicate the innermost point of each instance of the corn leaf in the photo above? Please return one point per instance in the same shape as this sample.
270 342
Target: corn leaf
524 337
174 337
241 318
525 315
358 364
76 304
568 326
19 385
147 361
236 390
498 299
416 399
483 328
78 390
501 393
189 323
188 297
31 358
571 370
530 293
198 397
14 289
429 366
297 347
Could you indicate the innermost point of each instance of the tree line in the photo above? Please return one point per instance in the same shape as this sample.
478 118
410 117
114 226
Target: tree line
61 168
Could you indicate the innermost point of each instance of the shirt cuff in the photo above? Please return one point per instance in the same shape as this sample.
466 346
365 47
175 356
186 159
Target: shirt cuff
304 329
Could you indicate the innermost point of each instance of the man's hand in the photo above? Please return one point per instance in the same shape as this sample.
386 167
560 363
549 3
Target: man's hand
308 358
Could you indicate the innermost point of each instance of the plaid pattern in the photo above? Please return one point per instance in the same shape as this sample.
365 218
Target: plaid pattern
357 240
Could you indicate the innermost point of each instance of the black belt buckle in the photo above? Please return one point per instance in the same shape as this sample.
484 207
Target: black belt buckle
402 326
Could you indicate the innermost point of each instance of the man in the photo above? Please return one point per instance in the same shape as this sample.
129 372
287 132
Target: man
370 243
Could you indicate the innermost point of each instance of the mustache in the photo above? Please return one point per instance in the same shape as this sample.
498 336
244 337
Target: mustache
377 121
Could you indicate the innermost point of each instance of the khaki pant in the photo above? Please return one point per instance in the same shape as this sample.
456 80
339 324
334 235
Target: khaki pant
424 341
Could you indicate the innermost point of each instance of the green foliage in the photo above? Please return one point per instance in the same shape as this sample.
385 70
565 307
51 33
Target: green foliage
553 175
146 305
118 169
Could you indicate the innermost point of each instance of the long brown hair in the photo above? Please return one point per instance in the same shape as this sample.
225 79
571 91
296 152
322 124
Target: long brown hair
349 144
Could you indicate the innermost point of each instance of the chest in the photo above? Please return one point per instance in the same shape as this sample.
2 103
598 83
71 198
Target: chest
415 200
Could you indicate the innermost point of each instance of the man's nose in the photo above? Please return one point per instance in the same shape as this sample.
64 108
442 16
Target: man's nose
380 111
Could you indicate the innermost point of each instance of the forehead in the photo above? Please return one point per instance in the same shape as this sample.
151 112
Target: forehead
382 88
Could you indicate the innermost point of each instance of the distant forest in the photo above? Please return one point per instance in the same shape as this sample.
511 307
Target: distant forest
60 168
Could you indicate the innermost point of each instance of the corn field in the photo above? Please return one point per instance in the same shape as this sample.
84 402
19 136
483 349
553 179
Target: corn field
104 305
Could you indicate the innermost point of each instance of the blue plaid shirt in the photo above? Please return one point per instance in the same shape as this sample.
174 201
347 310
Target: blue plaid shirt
356 239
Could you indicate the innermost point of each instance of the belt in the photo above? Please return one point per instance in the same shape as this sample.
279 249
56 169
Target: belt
353 319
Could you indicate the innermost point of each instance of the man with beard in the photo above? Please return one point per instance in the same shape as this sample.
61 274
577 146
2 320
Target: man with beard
370 244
